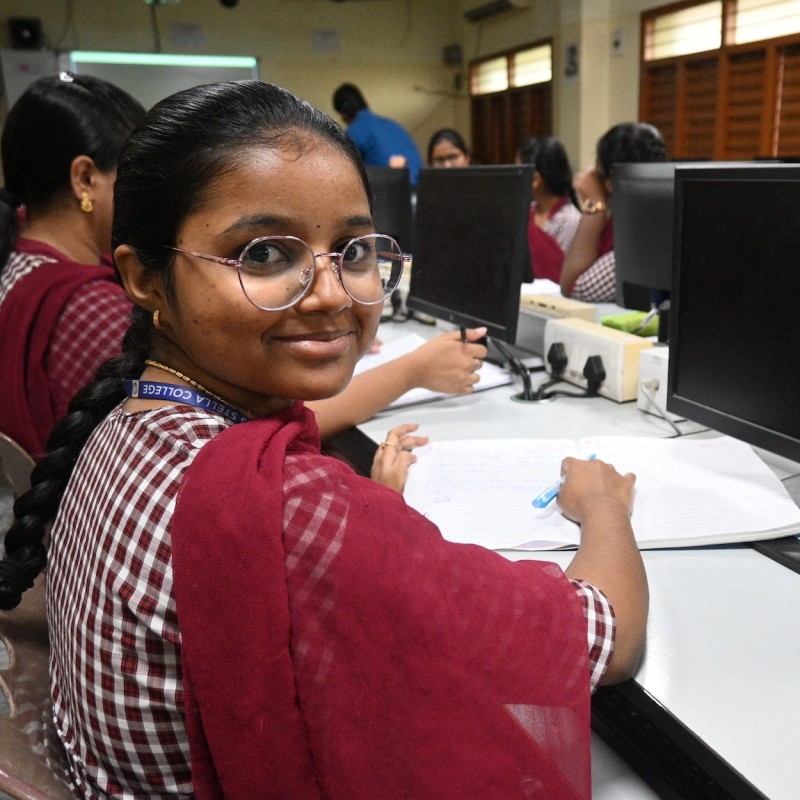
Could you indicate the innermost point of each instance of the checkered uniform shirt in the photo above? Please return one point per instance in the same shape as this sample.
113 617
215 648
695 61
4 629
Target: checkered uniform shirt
598 283
115 643
563 225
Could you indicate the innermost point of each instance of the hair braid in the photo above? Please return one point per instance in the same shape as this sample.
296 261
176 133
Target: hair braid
25 552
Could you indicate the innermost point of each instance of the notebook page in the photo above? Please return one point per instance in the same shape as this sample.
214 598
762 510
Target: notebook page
699 491
480 491
688 492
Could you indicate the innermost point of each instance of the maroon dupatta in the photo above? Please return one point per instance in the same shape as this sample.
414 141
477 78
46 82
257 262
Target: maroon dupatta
28 317
369 659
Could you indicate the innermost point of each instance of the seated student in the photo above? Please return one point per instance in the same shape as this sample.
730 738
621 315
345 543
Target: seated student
554 210
62 310
381 141
233 614
447 148
588 271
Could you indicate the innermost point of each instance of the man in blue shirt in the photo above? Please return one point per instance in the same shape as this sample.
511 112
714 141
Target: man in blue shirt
382 141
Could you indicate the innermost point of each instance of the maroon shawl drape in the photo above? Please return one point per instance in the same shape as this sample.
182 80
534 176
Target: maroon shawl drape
547 257
378 662
27 319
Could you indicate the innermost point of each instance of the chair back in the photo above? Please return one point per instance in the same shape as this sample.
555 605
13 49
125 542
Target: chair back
16 465
32 762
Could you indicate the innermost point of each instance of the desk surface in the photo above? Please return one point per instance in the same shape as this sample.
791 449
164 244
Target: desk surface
723 642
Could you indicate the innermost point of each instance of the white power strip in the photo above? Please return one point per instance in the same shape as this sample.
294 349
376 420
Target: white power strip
653 373
618 350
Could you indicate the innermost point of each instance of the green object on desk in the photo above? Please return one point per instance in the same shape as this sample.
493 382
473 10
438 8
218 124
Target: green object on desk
631 322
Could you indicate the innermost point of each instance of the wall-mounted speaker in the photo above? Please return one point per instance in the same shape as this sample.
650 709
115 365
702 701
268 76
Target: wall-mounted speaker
451 55
26 33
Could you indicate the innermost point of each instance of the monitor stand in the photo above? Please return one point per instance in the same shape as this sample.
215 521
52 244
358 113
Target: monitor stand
785 551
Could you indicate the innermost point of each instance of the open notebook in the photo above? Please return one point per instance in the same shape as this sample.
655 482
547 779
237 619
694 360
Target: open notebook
688 492
490 374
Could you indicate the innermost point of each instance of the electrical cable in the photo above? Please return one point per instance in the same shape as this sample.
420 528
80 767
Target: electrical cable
557 359
593 371
518 367
646 386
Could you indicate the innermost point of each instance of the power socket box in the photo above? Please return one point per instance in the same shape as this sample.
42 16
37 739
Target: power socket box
653 369
554 305
619 351
535 310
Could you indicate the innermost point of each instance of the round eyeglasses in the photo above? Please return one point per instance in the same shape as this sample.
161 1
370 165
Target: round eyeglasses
275 272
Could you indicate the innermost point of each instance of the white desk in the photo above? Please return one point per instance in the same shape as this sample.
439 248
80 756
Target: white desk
723 644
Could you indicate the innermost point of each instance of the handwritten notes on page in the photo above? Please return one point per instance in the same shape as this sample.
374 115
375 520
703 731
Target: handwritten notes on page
689 492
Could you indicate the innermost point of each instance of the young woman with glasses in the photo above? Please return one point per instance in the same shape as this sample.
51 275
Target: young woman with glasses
62 309
447 148
234 614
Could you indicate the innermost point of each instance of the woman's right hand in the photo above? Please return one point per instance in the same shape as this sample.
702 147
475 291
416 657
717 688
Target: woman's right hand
595 495
592 483
589 185
446 364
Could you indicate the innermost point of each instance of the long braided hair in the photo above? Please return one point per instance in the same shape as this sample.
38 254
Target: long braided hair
165 173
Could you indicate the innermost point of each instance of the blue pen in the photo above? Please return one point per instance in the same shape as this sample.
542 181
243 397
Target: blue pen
546 497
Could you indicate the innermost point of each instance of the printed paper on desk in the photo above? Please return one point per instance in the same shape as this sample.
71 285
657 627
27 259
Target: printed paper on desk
540 286
688 492
490 374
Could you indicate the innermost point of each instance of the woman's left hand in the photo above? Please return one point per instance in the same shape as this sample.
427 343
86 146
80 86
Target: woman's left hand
394 456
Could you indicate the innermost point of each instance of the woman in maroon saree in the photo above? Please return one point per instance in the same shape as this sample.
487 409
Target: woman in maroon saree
234 614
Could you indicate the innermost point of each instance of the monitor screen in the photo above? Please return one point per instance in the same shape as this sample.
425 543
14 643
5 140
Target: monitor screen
642 199
392 208
471 245
733 336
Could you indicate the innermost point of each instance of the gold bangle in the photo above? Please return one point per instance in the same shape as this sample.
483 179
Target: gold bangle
592 206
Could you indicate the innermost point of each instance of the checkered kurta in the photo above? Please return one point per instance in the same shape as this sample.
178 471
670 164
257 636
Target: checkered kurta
598 283
115 643
563 225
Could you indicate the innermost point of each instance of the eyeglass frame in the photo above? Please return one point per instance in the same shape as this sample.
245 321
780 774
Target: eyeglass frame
336 265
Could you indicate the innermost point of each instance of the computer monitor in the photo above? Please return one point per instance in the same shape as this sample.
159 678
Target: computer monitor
734 337
471 245
643 199
392 204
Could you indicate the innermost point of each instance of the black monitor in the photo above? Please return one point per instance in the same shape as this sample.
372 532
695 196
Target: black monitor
392 205
734 337
471 245
642 199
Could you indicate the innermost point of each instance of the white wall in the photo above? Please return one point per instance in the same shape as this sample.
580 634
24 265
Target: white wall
392 49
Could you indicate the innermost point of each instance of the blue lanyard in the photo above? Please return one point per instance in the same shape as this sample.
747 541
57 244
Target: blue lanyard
153 390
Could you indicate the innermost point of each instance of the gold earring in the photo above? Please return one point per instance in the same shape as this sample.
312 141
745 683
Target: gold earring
87 206
157 323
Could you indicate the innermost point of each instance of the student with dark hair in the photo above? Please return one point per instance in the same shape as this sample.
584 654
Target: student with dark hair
62 310
382 142
447 148
588 271
554 211
233 614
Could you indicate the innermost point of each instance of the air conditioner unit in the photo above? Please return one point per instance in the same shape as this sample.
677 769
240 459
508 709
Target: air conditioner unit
491 8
